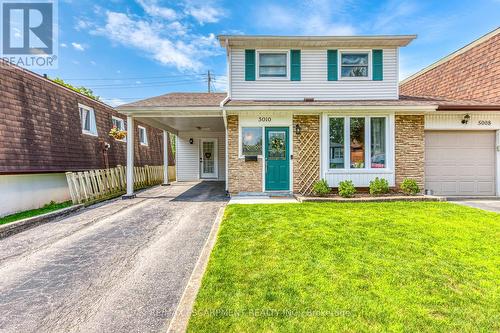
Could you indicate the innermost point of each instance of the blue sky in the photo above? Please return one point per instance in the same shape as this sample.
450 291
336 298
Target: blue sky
127 50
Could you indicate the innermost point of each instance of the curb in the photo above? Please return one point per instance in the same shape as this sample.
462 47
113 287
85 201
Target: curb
372 199
180 320
13 228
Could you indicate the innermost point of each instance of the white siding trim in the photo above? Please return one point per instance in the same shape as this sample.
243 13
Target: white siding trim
314 82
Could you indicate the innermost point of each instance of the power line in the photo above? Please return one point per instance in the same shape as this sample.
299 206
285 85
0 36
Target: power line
133 78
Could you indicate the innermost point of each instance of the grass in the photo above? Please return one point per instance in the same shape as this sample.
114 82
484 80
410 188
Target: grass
34 212
352 267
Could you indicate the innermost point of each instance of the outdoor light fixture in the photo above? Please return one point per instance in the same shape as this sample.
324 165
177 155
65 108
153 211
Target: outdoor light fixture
191 141
466 119
298 129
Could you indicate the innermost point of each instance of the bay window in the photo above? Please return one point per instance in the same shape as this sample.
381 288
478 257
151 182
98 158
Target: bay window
364 140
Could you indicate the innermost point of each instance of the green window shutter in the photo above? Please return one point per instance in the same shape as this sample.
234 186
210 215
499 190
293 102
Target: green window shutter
378 69
295 65
249 65
332 64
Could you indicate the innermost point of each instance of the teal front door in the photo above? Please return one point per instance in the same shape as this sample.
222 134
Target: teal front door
277 159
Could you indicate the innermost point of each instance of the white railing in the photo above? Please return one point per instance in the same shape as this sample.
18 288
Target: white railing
101 184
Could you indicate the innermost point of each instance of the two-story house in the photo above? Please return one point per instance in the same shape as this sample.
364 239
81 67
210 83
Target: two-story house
299 109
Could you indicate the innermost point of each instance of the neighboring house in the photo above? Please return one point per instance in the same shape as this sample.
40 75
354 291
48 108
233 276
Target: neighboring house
462 159
299 109
47 130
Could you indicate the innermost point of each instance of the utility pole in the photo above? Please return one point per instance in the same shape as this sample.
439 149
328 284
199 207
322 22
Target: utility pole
209 81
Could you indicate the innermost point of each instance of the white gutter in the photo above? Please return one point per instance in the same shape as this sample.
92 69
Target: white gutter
315 108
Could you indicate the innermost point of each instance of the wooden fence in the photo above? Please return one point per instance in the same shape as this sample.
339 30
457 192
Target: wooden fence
101 184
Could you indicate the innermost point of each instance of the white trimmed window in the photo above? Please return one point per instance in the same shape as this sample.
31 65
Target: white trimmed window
363 138
273 64
251 141
354 64
119 123
87 118
143 136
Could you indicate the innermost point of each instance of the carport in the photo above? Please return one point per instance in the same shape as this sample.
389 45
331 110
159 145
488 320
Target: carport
199 124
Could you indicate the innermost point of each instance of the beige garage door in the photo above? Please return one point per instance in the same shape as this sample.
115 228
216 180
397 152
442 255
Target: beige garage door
460 162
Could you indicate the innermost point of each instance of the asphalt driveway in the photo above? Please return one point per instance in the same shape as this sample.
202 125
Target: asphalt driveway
121 266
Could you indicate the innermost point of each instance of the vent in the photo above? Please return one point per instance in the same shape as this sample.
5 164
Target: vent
308 99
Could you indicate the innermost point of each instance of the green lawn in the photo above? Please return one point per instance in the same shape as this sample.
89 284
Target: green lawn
34 212
351 267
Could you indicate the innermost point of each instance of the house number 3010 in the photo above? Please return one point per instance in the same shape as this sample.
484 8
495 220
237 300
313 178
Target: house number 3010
484 122
264 119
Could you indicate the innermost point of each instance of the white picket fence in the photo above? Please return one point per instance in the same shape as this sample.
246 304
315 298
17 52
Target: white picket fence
100 184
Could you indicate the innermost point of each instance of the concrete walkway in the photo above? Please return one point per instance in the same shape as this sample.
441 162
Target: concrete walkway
121 266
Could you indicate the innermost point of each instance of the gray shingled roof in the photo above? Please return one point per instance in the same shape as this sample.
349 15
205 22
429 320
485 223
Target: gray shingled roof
179 100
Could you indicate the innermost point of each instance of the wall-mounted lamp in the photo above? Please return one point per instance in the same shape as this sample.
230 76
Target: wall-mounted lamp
466 119
191 141
298 129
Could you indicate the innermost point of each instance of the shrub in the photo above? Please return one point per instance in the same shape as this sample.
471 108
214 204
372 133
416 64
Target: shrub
346 189
320 188
379 186
409 186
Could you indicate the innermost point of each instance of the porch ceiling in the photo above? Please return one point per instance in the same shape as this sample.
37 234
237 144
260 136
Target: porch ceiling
185 124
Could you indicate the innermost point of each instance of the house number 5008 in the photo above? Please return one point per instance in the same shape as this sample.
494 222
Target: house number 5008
484 122
264 119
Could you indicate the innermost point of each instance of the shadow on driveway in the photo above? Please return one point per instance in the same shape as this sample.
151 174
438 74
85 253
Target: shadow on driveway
206 191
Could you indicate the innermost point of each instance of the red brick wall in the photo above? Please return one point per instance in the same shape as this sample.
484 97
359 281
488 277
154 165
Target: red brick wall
40 129
474 74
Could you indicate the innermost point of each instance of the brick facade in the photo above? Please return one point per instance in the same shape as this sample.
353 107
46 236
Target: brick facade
41 130
474 75
409 148
306 156
243 176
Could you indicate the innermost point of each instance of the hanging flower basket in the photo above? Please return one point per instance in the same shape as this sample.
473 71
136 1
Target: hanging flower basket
118 134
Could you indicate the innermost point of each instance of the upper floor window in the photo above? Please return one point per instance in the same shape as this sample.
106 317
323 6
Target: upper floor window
143 136
273 64
87 118
354 64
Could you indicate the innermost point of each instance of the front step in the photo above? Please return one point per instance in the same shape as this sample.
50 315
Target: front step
264 195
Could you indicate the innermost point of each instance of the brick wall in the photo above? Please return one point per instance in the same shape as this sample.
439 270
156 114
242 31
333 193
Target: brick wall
474 74
243 176
410 148
41 130
306 157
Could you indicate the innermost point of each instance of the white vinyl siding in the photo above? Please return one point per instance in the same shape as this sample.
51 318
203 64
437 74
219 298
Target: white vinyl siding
188 155
314 82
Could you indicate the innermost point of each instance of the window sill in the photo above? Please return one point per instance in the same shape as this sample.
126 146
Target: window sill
143 144
89 133
355 79
353 171
242 157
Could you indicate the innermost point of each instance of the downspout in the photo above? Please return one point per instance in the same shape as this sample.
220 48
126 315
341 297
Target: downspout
226 151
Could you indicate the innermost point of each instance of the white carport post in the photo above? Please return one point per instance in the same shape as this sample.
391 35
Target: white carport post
165 158
130 159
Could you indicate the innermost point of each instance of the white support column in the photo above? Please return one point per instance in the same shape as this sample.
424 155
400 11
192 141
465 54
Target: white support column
165 158
130 159
497 160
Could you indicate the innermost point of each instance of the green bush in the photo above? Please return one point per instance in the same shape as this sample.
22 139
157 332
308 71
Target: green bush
409 186
320 188
379 186
346 189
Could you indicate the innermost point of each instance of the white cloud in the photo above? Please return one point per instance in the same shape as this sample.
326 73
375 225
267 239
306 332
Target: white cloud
318 17
78 47
93 63
152 8
64 45
205 13
114 101
155 39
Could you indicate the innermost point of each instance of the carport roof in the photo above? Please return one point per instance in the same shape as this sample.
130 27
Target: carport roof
178 99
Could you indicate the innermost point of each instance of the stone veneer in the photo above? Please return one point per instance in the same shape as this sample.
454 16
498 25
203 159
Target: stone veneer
243 176
306 159
410 148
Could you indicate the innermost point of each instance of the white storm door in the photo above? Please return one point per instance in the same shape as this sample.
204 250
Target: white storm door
208 158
